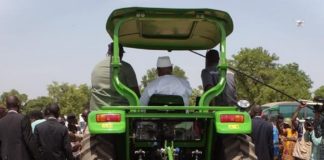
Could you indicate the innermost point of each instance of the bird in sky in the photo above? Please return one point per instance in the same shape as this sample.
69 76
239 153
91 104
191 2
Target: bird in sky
300 23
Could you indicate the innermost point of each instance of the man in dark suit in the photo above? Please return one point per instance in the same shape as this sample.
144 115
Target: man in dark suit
16 139
3 111
52 137
262 135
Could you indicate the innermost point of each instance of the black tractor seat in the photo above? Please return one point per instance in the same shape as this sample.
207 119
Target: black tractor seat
165 100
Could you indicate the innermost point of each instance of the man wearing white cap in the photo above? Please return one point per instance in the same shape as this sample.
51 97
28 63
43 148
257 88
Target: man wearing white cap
166 83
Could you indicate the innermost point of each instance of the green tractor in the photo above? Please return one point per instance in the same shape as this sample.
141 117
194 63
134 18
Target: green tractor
166 129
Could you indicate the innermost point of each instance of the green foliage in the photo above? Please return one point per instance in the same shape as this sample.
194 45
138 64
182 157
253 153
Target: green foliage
37 104
290 79
21 96
261 64
256 62
319 92
151 74
196 92
70 97
177 71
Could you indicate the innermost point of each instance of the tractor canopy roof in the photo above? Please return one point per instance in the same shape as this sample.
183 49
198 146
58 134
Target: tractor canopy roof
169 29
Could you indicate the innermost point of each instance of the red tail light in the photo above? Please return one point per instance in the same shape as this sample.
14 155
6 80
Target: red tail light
108 117
232 118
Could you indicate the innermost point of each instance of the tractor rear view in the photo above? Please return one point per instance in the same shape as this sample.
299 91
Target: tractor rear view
166 129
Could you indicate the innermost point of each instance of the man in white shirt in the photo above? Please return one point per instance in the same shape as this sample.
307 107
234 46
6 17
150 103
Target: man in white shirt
166 83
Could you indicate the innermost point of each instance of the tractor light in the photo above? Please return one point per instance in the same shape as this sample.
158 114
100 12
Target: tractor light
232 118
108 117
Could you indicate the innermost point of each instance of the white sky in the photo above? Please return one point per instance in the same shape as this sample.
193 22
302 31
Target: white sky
43 41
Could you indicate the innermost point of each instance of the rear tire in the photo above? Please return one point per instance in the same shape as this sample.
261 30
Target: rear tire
97 147
238 147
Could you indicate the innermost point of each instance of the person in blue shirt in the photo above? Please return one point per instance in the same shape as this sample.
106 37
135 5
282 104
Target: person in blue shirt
276 150
36 117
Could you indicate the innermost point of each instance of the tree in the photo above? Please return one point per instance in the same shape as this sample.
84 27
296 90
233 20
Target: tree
37 104
70 97
21 96
290 79
263 65
196 92
257 62
319 92
151 74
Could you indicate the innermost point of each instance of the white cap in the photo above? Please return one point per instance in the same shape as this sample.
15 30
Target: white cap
164 62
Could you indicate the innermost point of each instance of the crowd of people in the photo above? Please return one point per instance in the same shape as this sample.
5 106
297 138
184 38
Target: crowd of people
45 134
39 135
291 138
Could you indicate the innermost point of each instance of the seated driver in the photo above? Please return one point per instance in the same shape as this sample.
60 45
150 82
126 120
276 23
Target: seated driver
102 91
166 83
